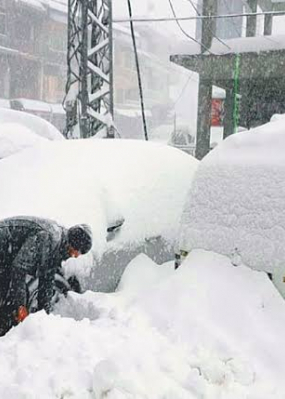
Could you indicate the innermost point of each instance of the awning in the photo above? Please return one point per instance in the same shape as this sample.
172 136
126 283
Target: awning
35 4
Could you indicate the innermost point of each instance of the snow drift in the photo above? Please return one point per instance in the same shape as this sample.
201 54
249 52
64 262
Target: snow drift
15 137
207 330
37 125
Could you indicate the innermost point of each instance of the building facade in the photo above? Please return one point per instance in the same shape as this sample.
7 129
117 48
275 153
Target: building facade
33 47
32 50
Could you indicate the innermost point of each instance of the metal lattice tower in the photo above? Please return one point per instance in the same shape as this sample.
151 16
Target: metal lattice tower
89 88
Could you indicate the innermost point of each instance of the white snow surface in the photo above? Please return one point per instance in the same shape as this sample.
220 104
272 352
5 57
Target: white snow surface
36 124
207 330
15 137
97 182
235 206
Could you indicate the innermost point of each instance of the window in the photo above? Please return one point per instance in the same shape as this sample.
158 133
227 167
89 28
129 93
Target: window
129 60
120 96
24 32
57 37
57 42
132 95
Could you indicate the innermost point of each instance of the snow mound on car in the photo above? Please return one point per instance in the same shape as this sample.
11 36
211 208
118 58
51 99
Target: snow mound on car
98 181
236 203
38 125
15 137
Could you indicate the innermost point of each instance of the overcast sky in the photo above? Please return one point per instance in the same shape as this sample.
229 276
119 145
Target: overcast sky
158 8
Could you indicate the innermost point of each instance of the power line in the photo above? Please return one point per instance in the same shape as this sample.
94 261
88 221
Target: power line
184 32
234 25
138 70
198 13
184 88
197 17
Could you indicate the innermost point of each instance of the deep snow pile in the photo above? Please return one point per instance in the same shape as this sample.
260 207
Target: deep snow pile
208 330
236 203
15 137
37 125
97 181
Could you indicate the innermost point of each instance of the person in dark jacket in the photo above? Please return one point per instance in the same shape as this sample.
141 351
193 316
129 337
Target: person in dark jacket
31 246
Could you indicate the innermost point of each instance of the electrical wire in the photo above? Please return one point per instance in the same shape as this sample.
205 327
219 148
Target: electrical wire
138 71
184 32
198 13
193 18
184 88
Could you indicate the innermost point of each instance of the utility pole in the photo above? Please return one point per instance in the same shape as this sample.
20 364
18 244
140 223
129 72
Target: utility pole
89 89
205 83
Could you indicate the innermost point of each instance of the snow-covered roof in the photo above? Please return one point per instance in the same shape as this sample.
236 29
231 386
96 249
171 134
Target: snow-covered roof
131 113
37 4
236 203
238 45
33 105
42 5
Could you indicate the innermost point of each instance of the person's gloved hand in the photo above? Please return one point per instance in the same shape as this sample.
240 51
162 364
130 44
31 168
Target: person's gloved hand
21 314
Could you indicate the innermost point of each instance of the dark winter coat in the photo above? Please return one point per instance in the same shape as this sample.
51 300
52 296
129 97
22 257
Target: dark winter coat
29 246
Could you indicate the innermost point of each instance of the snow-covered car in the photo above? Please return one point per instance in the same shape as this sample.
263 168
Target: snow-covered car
182 137
235 206
100 182
38 125
15 137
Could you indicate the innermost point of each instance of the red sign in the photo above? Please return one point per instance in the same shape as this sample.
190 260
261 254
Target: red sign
217 114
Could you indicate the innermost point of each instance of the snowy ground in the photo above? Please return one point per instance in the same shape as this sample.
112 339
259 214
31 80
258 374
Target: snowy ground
208 330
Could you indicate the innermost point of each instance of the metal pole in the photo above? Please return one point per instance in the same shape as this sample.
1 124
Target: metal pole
84 125
89 89
205 84
208 25
229 127
204 118
110 130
